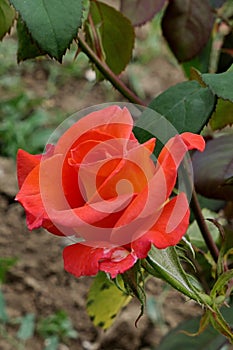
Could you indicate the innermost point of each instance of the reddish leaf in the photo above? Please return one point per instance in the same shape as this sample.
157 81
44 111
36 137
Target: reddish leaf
187 25
141 11
214 167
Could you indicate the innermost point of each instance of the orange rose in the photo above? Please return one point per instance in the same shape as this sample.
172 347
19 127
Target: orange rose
101 187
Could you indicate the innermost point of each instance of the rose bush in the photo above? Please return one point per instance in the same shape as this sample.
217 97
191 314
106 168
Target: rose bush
99 186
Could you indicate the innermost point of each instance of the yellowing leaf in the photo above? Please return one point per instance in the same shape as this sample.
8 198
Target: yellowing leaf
223 115
104 301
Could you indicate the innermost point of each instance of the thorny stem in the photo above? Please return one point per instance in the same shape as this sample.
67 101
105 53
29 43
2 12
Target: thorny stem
108 73
201 221
129 94
203 227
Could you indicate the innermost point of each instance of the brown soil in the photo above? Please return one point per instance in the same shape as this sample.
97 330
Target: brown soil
38 284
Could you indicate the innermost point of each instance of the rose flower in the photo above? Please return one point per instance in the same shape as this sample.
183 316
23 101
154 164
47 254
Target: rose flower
99 186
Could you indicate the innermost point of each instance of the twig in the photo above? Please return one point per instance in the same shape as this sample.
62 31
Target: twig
203 226
108 73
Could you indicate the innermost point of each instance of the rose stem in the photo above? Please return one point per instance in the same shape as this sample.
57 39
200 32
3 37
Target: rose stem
203 227
196 208
108 73
129 94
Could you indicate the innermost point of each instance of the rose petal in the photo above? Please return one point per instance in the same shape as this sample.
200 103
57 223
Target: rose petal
173 153
83 260
112 120
120 261
193 141
25 163
169 228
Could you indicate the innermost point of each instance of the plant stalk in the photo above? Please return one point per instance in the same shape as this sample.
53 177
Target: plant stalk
108 73
201 221
203 226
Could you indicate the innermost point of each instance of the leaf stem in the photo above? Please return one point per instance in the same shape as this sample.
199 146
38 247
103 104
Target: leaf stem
108 73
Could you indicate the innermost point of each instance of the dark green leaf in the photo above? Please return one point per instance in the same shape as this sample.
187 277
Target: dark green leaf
7 15
187 106
104 301
27 47
27 327
220 84
187 25
223 114
141 11
52 24
115 34
213 167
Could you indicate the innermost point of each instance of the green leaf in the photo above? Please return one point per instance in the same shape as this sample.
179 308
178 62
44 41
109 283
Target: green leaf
141 11
104 301
213 167
187 106
223 114
184 107
3 314
115 33
220 84
27 327
7 16
166 263
219 286
187 25
27 47
52 24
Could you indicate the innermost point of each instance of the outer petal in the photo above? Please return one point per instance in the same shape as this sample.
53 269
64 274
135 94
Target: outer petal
83 260
169 229
193 141
30 198
112 120
173 153
25 163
